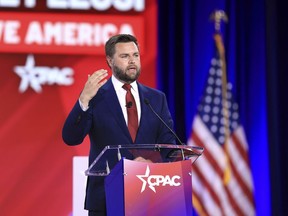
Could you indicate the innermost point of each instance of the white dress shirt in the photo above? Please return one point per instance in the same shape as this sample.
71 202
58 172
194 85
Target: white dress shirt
121 94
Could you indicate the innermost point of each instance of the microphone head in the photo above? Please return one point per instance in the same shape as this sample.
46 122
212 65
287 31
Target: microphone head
129 104
146 101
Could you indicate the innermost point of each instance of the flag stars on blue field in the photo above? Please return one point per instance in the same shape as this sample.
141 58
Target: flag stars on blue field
211 109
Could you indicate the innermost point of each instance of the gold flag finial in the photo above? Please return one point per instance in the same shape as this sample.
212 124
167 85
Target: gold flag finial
217 16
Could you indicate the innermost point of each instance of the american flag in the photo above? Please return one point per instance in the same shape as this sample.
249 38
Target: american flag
221 179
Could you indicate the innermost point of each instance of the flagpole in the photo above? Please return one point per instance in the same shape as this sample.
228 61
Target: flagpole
222 182
218 16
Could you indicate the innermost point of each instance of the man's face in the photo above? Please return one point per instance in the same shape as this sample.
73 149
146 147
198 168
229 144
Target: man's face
125 63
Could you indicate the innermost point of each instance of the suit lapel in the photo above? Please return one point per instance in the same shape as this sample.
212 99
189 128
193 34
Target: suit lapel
144 108
113 105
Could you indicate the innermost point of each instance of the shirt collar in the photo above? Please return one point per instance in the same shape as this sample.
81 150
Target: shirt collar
118 85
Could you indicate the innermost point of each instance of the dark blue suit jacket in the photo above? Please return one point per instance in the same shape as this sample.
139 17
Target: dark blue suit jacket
105 124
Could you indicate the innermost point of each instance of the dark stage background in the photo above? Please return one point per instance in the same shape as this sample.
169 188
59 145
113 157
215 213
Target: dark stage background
256 52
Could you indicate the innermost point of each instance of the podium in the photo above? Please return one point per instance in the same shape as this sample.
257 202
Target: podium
159 185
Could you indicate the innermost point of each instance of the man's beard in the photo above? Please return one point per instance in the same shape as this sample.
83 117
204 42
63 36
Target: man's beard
123 76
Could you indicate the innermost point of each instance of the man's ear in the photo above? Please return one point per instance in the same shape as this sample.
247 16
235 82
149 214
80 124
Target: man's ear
109 61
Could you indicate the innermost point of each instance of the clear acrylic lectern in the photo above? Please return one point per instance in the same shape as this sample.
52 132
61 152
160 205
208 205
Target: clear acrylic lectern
157 153
159 185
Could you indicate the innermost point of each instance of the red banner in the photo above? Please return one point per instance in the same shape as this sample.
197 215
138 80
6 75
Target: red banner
47 50
63 33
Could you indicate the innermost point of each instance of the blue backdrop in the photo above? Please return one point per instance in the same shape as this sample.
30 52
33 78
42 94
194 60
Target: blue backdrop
256 67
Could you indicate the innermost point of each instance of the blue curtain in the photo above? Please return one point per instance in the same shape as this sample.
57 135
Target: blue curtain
253 53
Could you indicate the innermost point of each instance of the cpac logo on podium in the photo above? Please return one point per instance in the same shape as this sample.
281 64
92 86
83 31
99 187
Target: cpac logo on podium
158 180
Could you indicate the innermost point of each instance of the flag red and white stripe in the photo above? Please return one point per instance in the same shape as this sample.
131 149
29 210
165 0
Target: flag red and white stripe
212 194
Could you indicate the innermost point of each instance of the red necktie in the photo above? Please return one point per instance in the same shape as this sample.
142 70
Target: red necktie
131 112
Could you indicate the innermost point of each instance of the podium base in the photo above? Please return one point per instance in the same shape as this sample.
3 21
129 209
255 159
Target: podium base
154 189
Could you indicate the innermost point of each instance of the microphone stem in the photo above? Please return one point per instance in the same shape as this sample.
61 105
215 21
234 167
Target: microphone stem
175 135
178 139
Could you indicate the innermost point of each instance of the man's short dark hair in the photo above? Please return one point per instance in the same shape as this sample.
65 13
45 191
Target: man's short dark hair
120 38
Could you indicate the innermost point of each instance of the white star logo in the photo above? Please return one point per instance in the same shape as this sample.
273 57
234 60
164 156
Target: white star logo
143 177
35 76
28 73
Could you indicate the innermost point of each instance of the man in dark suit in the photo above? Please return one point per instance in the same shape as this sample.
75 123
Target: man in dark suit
102 112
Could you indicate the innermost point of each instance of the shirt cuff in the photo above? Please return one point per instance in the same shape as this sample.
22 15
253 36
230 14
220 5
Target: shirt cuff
82 106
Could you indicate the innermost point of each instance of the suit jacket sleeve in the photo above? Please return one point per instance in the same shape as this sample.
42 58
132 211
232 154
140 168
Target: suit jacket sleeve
77 125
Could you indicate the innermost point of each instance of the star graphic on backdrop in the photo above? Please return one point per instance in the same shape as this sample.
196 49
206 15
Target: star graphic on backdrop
28 74
36 76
